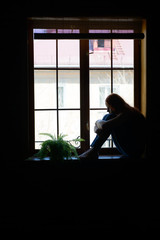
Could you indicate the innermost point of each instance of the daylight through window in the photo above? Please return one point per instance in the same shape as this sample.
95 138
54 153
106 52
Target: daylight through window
69 96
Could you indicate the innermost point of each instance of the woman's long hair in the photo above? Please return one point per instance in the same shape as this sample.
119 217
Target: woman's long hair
118 103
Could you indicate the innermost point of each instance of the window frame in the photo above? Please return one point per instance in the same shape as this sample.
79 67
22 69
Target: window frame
58 108
84 88
137 77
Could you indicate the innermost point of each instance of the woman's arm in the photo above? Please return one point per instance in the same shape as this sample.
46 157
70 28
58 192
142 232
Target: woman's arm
115 122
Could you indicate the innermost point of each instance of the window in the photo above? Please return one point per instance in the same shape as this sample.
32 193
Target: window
111 70
69 86
101 43
57 88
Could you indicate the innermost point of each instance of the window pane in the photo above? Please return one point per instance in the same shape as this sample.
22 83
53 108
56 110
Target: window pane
123 84
68 53
45 53
123 53
68 31
99 31
38 145
69 88
100 87
42 30
100 53
94 116
69 124
45 89
45 122
123 31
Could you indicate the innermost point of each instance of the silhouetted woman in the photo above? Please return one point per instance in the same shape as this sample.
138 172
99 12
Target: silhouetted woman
126 125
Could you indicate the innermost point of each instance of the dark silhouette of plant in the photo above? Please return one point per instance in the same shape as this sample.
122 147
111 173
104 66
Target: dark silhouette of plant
58 149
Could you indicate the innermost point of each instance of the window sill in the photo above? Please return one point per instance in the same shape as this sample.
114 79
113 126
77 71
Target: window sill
105 166
102 157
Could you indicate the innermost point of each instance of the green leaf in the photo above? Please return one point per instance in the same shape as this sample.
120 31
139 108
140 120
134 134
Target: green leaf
49 135
61 136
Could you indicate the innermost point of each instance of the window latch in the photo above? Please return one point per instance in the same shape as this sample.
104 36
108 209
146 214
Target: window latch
87 126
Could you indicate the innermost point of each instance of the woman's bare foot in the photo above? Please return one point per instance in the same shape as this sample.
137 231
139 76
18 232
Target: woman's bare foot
90 154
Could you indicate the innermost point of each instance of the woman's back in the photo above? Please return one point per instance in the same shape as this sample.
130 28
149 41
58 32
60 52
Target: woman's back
132 132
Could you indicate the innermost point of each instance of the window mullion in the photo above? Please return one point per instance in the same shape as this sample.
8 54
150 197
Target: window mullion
57 86
31 135
137 74
111 78
111 66
84 92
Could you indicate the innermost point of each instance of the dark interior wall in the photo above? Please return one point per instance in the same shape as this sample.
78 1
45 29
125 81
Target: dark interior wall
153 103
14 88
22 190
14 83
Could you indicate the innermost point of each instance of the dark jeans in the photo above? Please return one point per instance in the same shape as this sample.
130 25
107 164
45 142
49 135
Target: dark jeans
124 138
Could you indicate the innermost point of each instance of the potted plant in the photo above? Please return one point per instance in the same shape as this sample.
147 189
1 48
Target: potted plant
58 149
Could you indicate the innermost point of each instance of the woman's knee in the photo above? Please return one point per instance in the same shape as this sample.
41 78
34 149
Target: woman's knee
108 116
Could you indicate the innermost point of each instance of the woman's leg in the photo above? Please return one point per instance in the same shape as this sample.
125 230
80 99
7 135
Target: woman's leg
100 140
118 146
93 152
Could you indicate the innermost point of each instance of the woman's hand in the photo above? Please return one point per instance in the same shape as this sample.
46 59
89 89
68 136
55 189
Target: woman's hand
97 130
99 124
